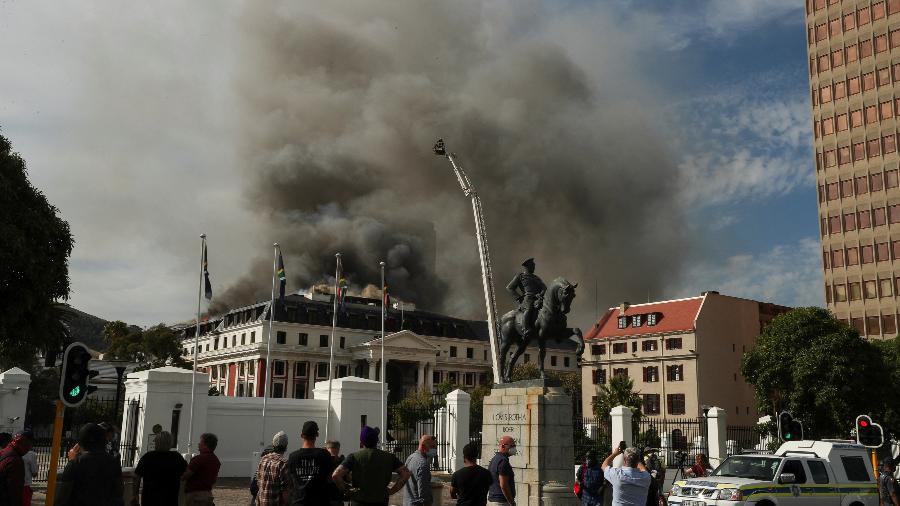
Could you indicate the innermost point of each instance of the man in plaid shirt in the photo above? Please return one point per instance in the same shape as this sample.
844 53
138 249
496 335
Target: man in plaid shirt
273 476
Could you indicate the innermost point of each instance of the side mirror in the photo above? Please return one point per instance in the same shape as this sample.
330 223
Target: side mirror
787 478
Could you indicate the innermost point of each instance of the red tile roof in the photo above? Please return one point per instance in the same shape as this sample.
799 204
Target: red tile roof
674 316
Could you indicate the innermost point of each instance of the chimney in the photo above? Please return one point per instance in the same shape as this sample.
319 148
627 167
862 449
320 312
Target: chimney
709 292
623 307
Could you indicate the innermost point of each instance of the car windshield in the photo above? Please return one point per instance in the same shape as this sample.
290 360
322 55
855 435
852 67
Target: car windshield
745 466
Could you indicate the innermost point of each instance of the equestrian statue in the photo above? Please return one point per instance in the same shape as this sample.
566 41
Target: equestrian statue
541 315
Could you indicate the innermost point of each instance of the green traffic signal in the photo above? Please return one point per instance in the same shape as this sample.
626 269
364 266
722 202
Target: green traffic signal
74 392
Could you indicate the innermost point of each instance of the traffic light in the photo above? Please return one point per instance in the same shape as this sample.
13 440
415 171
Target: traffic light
788 428
868 433
75 377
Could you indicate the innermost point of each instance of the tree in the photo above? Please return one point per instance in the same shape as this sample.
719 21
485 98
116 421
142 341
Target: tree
816 366
619 391
35 273
154 347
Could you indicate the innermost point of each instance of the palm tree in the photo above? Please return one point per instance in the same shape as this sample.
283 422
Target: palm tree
618 392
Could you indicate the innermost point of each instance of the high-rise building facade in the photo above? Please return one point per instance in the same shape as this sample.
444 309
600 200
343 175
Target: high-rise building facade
854 68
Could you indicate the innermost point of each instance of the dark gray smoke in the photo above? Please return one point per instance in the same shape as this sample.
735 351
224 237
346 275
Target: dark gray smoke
342 102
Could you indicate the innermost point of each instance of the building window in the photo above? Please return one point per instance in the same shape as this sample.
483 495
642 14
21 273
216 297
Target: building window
300 390
886 287
302 339
470 353
651 374
215 373
675 404
342 371
840 293
436 377
566 362
673 343
651 404
323 341
485 355
598 376
651 319
888 325
452 351
598 349
240 390
623 371
855 291
250 369
277 390
241 368
281 337
469 379
636 320
634 347
675 373
233 340
527 358
252 337
452 378
278 365
322 370
244 338
620 348
649 345
553 360
300 369
343 342
623 322
869 289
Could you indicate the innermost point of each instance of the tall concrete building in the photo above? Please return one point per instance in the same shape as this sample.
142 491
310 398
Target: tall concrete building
854 69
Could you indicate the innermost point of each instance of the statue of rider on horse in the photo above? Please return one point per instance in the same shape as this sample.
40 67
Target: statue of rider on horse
541 314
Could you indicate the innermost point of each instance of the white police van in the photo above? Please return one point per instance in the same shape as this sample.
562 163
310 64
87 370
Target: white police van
813 473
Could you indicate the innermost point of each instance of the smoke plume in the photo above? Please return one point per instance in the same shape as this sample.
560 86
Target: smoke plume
341 103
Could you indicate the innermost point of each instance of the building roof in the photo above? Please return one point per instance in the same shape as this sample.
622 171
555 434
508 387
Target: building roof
360 314
672 316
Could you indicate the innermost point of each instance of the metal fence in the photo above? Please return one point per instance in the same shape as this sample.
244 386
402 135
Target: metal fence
591 434
409 419
743 439
677 440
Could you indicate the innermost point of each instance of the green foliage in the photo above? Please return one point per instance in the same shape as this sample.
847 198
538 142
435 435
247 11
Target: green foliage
35 273
416 406
816 366
42 394
618 391
150 348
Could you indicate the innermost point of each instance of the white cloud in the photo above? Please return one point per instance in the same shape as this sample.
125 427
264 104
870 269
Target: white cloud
788 274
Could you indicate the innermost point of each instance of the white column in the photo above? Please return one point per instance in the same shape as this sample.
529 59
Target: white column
458 405
421 382
717 425
429 376
373 368
621 428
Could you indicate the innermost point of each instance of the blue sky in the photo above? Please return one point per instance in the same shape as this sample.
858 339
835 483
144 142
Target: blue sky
126 119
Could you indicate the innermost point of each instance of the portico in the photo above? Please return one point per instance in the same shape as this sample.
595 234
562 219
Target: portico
409 361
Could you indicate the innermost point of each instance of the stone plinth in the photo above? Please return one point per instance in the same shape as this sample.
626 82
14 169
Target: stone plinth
538 415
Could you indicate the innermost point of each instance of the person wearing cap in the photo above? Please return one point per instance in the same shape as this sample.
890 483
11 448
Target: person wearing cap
527 288
334 449
160 469
370 472
12 470
202 473
272 475
93 477
887 487
310 469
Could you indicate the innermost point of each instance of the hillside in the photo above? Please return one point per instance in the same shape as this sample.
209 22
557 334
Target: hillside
87 329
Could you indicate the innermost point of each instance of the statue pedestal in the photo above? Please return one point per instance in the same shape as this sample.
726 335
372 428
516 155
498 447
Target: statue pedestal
538 414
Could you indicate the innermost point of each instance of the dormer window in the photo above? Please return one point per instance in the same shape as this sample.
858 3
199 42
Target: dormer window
636 320
651 319
623 322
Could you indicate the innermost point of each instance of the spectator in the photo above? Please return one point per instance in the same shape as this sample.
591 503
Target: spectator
254 484
370 470
417 491
29 461
5 439
334 449
202 473
590 476
272 474
161 471
12 469
700 467
503 479
470 485
887 487
631 482
310 468
93 477
112 447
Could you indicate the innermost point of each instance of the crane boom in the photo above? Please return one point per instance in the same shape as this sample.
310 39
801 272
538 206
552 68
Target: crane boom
487 277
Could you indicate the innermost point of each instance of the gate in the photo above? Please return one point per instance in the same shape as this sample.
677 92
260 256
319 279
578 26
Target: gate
91 411
414 416
677 440
591 434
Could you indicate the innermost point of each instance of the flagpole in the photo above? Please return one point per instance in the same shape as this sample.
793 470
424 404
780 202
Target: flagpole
337 275
267 379
383 312
196 345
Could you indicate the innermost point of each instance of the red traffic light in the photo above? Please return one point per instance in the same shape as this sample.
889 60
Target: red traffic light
863 423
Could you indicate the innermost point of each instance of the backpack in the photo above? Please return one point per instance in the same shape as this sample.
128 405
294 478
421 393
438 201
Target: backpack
592 481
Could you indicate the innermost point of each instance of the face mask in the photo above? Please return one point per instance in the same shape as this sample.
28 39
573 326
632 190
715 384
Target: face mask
513 451
431 453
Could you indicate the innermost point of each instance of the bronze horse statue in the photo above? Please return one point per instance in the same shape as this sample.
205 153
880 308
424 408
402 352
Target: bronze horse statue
550 324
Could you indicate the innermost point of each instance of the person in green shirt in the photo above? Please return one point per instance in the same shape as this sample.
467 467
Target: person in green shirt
370 471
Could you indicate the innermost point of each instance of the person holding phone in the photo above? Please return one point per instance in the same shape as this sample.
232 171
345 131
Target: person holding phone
631 482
